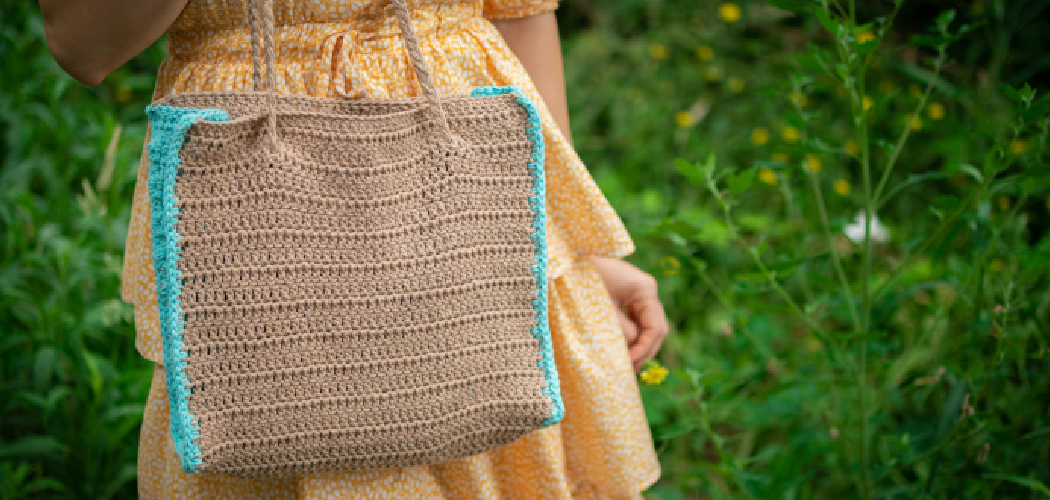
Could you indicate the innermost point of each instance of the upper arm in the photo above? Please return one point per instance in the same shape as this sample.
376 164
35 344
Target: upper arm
90 38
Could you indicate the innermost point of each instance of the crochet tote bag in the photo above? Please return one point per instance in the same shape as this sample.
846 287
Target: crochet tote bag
349 284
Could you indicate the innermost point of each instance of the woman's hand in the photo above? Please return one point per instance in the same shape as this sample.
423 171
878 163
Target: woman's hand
637 304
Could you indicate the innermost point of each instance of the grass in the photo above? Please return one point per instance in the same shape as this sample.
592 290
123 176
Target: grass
739 142
809 359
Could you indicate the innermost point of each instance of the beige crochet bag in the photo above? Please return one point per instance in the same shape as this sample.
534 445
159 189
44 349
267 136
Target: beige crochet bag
349 284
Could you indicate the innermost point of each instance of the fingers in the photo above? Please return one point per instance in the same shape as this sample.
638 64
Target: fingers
652 323
630 330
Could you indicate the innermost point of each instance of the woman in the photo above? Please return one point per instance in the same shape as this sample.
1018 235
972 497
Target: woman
343 48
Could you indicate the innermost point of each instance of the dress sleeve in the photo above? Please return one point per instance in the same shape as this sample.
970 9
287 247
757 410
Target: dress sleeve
495 10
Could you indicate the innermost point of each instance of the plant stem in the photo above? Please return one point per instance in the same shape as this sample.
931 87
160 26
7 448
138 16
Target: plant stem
835 259
891 162
771 277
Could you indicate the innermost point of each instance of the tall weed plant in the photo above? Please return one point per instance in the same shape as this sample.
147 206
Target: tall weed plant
856 263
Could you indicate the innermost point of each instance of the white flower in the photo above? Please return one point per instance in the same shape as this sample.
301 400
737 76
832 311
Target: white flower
855 231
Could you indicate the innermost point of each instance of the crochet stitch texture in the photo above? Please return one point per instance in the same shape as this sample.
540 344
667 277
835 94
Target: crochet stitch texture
361 293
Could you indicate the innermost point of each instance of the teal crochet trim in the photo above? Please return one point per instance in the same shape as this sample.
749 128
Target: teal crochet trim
539 235
168 133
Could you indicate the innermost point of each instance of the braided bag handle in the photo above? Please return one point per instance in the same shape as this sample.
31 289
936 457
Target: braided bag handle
261 12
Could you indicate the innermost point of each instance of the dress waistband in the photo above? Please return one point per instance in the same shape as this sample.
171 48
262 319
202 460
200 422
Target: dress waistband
297 40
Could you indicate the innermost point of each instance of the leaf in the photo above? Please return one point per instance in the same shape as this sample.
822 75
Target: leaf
678 226
952 406
47 403
770 164
32 445
1008 184
755 222
1036 110
676 430
927 77
92 362
830 25
45 483
910 181
45 366
120 411
739 182
972 172
820 146
1027 94
1027 482
902 365
1011 92
867 47
945 18
689 171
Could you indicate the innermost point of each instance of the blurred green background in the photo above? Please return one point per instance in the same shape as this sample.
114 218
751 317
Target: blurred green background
738 141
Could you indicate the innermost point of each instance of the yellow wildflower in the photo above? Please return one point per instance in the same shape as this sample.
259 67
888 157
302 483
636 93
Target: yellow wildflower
1018 147
813 163
867 102
654 374
713 74
684 119
729 12
935 110
705 53
852 147
864 37
841 187
1004 203
759 136
736 84
658 51
791 134
670 265
996 265
768 176
915 123
798 98
781 157
813 344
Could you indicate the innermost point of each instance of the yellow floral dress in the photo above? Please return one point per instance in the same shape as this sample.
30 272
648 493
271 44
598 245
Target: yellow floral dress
603 447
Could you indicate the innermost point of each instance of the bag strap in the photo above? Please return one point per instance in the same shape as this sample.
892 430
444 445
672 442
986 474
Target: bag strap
262 10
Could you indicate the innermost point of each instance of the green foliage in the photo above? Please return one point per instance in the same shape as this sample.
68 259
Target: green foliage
743 147
738 147
72 386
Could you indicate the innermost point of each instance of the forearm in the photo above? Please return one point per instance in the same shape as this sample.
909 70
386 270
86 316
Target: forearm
536 43
90 38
